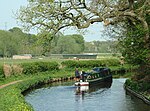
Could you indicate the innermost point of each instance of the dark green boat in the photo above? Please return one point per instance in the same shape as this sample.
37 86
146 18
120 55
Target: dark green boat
96 76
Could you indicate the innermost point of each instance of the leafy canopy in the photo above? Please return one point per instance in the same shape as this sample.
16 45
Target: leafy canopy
53 15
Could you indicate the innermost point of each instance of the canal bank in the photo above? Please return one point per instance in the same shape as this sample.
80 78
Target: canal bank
137 94
12 98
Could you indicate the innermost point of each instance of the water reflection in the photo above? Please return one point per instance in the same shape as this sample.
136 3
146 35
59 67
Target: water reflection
88 89
85 91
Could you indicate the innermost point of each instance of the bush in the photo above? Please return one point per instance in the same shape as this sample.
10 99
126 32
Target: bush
90 63
35 67
7 70
17 69
133 85
1 72
29 68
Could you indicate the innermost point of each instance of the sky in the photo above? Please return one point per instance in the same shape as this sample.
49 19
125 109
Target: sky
7 10
7 21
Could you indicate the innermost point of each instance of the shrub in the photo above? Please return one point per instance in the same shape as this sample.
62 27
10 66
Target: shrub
90 63
17 69
1 71
35 67
7 70
29 68
69 63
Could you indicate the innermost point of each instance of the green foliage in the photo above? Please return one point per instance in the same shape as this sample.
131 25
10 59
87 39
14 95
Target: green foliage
69 44
135 50
47 66
12 100
90 63
1 72
35 67
132 84
8 45
79 40
15 42
44 40
30 68
136 86
144 86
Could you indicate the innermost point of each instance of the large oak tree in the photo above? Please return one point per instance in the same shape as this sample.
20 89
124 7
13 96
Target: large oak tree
53 15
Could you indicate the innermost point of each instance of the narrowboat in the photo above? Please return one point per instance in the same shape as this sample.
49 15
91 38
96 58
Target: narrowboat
94 77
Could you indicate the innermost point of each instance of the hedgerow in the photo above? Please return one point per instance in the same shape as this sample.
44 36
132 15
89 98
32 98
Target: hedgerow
35 67
1 72
90 63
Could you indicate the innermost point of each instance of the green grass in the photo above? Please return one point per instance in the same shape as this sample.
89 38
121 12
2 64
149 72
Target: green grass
11 97
52 74
18 61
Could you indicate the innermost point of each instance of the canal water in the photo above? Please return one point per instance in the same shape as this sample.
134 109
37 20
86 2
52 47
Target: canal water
66 97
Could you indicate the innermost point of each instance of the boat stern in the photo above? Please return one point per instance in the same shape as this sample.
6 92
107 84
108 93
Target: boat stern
82 84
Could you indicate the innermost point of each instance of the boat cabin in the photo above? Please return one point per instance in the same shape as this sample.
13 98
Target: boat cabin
94 76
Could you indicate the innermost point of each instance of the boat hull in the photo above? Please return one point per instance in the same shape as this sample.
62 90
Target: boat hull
100 80
82 84
95 81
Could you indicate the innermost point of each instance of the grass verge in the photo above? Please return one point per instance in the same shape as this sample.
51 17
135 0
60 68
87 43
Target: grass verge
11 96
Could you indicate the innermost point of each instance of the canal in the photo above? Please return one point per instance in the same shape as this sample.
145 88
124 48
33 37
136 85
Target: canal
66 97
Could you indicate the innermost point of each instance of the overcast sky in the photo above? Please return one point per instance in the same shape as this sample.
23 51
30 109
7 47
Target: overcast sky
8 21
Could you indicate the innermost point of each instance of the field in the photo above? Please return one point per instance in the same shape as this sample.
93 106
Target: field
48 59
18 61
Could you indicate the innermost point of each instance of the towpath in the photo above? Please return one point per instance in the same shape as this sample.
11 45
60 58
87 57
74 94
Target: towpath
14 82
